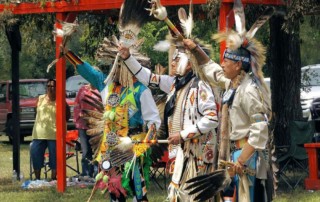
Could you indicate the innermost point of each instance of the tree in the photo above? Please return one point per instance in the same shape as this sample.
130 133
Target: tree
285 65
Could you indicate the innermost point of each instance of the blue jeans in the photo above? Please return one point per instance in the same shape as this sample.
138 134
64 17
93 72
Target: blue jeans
87 167
38 149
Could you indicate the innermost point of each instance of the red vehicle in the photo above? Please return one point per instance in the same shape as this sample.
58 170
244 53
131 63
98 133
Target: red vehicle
29 89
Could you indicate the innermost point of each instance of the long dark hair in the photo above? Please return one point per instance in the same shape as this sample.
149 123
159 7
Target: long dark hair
54 81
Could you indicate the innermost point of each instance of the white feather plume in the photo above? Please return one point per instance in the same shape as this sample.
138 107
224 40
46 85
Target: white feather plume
234 41
162 46
239 17
186 22
125 144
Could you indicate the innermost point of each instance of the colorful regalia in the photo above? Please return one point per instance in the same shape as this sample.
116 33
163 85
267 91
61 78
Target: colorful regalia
190 111
127 116
245 113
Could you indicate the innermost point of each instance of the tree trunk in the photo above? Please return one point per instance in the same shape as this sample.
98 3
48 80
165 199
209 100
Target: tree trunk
285 67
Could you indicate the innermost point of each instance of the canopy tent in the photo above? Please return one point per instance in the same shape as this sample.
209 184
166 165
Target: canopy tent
67 11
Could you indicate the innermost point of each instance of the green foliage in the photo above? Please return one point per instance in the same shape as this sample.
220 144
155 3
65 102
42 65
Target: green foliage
152 33
38 46
203 30
93 32
310 40
5 54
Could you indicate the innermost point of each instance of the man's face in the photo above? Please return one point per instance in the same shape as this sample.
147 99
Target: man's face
230 68
174 67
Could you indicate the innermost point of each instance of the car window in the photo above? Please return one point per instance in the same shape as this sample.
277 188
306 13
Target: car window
31 89
310 77
3 92
74 83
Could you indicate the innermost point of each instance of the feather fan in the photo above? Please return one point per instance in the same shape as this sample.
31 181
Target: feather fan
209 185
119 157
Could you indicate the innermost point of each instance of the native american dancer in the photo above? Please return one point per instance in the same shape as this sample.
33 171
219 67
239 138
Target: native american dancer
118 138
126 111
245 112
190 117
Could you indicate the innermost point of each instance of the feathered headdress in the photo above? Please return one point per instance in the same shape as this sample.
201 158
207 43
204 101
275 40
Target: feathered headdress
241 46
174 43
131 18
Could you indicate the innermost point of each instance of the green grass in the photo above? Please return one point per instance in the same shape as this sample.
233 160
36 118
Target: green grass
13 192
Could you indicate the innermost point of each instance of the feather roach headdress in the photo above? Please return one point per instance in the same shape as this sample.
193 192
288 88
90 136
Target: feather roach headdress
174 44
241 46
131 18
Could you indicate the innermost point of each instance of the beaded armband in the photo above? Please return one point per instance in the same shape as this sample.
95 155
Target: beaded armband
73 58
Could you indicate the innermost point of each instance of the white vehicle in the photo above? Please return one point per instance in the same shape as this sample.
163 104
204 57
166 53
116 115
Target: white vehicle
73 84
310 91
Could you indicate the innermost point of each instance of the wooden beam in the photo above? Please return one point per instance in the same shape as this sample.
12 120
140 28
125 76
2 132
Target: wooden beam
266 2
82 6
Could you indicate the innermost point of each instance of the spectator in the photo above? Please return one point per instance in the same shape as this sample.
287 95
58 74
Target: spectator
87 166
44 130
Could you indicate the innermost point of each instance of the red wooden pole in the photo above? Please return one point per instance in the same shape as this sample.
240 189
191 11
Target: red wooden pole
225 23
60 113
61 106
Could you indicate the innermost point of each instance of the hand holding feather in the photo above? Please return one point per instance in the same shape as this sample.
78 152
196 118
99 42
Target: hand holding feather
237 168
124 52
175 138
189 44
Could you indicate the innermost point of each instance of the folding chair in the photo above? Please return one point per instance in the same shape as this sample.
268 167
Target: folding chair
293 163
158 170
71 143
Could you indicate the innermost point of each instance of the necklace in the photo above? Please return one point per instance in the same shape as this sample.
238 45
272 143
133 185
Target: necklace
114 97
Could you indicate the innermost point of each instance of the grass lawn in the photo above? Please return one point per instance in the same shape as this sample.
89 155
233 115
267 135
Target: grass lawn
13 192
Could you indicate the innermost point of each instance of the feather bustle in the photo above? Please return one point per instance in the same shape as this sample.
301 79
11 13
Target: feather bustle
96 101
94 132
93 113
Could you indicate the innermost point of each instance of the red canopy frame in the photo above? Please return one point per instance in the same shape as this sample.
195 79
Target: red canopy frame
62 8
